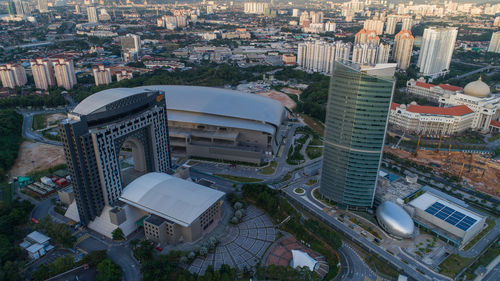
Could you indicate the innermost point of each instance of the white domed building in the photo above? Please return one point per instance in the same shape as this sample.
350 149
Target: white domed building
477 96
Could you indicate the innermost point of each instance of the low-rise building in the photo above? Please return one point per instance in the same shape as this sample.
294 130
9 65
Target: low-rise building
430 91
36 245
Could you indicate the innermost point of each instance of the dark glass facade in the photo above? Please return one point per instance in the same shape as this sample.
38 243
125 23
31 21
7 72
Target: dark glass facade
357 111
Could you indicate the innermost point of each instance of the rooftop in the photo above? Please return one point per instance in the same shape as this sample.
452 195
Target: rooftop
169 197
37 237
458 110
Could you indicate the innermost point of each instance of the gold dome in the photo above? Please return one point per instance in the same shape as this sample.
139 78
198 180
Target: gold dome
477 89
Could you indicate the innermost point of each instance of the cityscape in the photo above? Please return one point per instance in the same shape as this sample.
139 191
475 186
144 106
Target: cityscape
354 140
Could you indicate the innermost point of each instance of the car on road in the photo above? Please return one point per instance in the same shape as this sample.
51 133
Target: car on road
159 248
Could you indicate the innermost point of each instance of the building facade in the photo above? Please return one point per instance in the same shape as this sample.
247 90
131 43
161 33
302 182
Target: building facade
375 25
43 73
403 47
357 113
92 15
13 75
429 91
93 135
65 73
494 46
366 36
436 51
255 7
124 74
390 27
319 56
102 75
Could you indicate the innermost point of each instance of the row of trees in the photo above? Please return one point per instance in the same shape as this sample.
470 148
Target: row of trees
10 139
57 231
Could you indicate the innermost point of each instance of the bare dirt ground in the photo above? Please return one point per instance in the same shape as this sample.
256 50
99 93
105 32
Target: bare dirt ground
36 156
291 91
55 118
281 97
478 171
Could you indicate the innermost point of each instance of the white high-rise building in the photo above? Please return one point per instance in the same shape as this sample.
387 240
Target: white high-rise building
124 74
342 50
376 25
43 6
407 23
21 8
436 51
390 27
366 36
383 53
43 73
403 46
65 73
131 42
92 15
255 7
495 43
330 26
102 75
317 56
295 13
13 75
316 17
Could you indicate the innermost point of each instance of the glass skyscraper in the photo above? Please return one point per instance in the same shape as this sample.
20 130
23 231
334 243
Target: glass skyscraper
358 105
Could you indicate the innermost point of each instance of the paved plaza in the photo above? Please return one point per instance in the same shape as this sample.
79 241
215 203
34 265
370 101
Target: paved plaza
242 245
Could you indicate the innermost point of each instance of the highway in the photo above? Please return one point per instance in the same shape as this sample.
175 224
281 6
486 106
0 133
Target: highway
486 68
409 269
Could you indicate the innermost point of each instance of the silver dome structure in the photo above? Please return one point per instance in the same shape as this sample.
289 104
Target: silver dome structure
395 220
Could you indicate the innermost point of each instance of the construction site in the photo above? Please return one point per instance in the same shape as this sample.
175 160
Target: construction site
477 170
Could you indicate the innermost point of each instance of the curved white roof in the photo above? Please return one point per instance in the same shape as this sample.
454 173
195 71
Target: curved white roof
99 100
169 197
222 102
301 259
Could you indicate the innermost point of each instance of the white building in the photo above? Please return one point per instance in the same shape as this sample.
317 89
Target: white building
366 36
430 91
431 121
255 7
383 53
494 46
436 51
43 73
102 75
124 74
13 75
476 95
407 23
330 26
376 25
403 47
92 15
36 245
319 56
390 27
65 73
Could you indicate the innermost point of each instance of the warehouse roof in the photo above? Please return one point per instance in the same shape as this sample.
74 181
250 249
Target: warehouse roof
169 197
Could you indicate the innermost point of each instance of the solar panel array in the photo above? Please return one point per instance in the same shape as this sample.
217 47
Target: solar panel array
450 216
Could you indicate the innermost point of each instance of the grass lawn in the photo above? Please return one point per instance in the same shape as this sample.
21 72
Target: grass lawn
237 178
316 141
491 224
299 190
39 121
269 169
453 264
315 125
311 182
313 152
381 268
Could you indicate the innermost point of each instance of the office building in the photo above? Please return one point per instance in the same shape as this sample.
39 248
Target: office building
43 73
93 136
65 73
102 75
92 15
255 7
390 27
494 46
407 23
180 211
403 47
358 107
13 75
436 51
124 74
366 36
43 6
375 25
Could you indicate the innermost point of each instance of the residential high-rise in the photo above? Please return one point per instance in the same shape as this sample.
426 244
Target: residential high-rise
494 46
383 53
317 56
65 73
407 23
436 51
358 106
131 47
376 25
94 134
12 75
11 7
43 6
102 75
364 53
124 74
403 46
255 7
43 73
316 17
330 26
92 15
496 22
366 36
295 13
20 7
390 27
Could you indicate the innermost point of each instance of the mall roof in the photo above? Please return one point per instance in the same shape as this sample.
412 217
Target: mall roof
169 197
221 102
446 211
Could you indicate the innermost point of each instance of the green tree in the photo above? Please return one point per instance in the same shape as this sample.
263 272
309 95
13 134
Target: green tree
118 234
108 271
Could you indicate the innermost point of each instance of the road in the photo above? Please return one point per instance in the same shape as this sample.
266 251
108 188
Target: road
493 275
409 268
353 267
27 126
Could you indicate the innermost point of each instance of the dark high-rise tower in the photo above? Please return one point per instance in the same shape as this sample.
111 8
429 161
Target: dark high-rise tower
357 111
95 133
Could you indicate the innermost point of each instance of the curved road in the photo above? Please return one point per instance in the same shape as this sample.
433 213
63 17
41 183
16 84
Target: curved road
27 125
